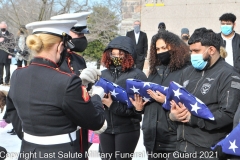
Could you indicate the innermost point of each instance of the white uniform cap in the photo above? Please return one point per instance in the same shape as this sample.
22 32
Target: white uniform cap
80 26
58 28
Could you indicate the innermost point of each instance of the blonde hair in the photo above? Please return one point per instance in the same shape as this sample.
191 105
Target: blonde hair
41 42
223 52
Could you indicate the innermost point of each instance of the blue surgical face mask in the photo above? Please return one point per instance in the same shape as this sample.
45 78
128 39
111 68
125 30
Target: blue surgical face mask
226 29
198 62
136 28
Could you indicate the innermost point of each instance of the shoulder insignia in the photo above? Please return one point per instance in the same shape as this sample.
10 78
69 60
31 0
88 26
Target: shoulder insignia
85 94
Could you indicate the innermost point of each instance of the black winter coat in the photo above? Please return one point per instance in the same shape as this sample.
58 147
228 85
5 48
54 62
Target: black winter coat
219 88
120 119
159 132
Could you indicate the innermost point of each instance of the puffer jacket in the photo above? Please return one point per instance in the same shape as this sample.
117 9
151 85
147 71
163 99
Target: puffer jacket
120 119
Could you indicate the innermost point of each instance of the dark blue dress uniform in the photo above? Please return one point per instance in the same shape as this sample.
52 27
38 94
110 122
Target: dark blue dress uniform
55 108
73 63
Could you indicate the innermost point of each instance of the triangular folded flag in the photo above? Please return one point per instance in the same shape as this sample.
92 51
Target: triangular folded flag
231 143
177 93
135 86
117 92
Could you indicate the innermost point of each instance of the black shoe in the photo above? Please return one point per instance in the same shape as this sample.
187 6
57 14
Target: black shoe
11 131
14 133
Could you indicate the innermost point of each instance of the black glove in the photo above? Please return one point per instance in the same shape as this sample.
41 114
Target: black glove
219 153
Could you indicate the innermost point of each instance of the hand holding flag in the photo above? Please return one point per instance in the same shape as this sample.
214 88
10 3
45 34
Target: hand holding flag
117 92
179 94
135 86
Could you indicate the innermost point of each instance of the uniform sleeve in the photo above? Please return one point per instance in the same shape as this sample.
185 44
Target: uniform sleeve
13 116
229 98
84 111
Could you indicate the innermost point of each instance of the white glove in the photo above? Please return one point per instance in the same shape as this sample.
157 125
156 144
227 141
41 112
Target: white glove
98 90
89 75
101 130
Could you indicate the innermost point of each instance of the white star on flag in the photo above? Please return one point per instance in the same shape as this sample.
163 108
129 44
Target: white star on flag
135 90
146 84
146 99
177 93
165 88
114 93
233 145
195 107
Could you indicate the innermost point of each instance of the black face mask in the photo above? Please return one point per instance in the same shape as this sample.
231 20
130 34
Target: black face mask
3 29
62 56
164 57
185 38
80 44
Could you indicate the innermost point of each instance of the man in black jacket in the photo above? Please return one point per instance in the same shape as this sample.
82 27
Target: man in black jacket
217 85
6 46
141 44
230 40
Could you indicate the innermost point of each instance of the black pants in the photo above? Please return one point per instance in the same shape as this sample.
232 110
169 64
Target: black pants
119 146
19 63
7 69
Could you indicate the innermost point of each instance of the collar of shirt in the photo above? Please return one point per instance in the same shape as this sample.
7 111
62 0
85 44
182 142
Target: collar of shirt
3 32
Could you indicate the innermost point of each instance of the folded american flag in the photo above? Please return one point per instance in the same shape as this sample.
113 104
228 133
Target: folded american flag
231 143
135 86
177 93
117 92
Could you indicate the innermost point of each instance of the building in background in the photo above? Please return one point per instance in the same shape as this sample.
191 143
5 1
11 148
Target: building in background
177 14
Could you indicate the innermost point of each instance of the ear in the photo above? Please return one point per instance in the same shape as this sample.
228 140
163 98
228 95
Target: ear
212 50
60 47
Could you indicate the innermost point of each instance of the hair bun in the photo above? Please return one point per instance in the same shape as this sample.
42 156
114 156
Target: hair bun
34 43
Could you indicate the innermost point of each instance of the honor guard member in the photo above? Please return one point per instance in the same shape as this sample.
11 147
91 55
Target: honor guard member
74 63
49 104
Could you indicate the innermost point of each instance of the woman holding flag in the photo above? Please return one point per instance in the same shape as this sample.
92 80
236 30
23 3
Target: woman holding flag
169 55
123 123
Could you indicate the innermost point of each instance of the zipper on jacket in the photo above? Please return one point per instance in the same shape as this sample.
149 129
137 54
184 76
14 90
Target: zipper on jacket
198 82
227 97
112 123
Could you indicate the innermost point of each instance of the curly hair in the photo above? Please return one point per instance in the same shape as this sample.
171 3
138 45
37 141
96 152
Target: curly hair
179 51
127 63
228 17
